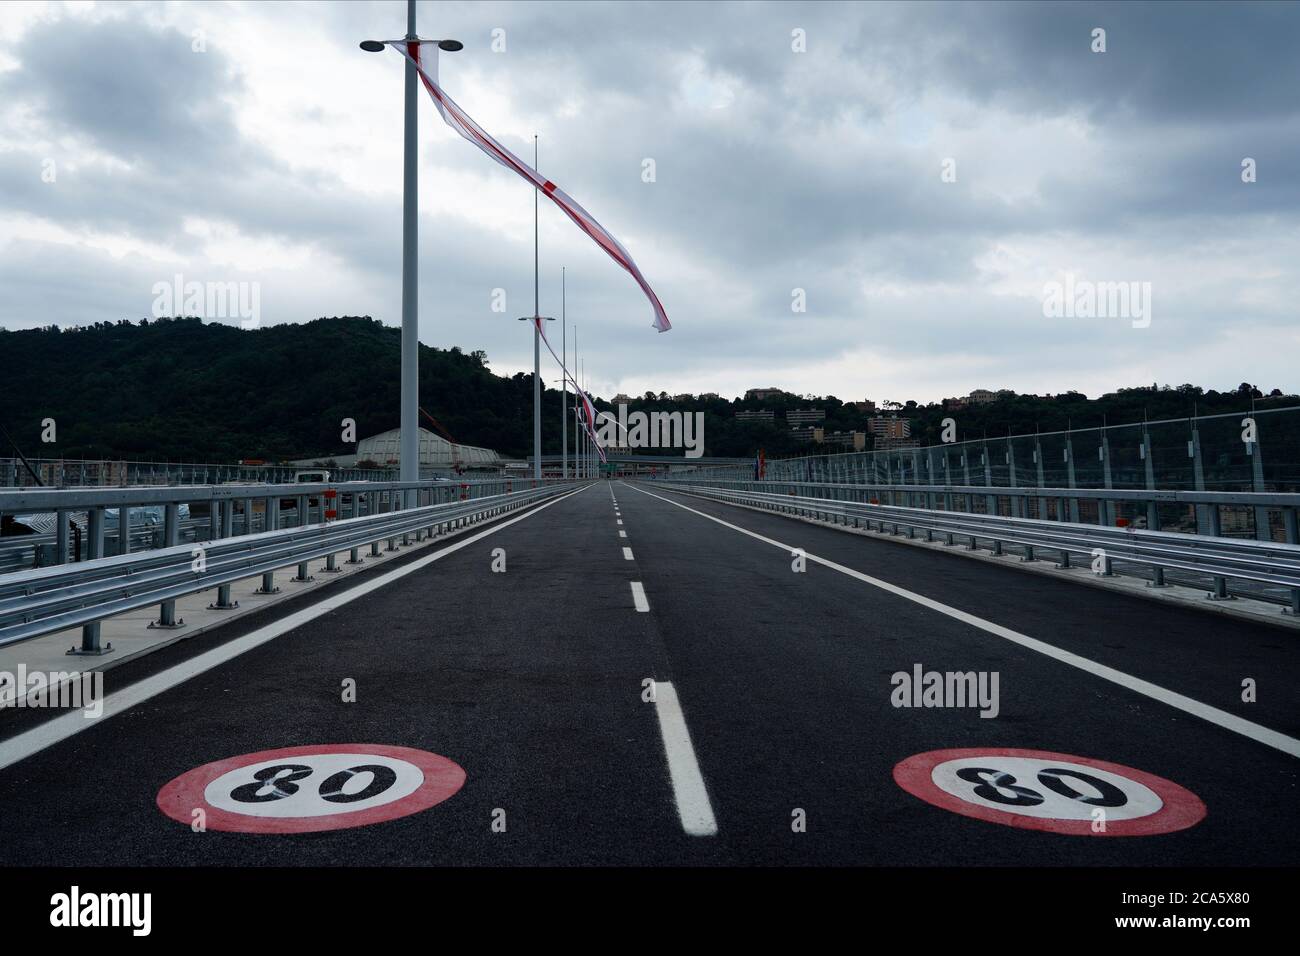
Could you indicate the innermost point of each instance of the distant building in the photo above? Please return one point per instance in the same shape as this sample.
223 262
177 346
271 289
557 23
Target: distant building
853 441
810 433
889 427
756 415
710 396
435 451
802 416
762 393
684 397
982 396
621 399
866 405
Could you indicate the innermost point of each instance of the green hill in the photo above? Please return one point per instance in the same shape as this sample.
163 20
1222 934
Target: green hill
183 390
180 389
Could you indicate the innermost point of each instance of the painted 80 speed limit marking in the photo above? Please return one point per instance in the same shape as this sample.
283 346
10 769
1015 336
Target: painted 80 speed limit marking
307 789
1042 790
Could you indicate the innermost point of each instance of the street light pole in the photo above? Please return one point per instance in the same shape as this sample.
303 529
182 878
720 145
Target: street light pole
537 343
536 318
564 378
409 455
409 451
578 410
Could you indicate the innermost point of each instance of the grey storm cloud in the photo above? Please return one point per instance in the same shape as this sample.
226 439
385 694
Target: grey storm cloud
774 171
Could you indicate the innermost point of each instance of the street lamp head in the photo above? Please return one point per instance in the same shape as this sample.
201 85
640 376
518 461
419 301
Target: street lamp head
372 46
450 46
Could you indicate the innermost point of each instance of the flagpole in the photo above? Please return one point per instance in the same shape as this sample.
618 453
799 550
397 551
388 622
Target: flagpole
409 454
564 379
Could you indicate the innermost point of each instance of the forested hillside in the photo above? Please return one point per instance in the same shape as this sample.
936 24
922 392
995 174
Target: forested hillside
182 389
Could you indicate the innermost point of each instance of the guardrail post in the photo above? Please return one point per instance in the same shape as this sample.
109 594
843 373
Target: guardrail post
94 549
271 516
1292 525
401 506
61 536
1220 592
990 501
171 538
1203 516
1016 504
1255 450
1105 507
223 602
1038 476
1070 477
123 529
1149 470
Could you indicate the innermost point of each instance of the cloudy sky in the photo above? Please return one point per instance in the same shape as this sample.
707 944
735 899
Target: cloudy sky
233 142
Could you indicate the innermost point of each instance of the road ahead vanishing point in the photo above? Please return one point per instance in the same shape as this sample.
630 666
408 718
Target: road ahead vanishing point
632 675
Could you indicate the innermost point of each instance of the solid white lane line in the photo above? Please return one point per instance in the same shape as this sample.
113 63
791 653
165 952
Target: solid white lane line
1224 719
60 728
627 554
638 597
692 798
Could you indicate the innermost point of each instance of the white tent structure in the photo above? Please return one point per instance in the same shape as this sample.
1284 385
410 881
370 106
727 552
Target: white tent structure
435 451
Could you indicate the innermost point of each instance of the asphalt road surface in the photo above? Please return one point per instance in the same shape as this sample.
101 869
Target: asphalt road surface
772 736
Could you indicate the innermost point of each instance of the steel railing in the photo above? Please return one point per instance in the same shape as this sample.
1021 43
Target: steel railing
1268 564
42 601
112 513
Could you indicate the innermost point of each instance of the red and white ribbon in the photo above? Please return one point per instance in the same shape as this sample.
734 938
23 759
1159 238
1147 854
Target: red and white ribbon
588 417
462 123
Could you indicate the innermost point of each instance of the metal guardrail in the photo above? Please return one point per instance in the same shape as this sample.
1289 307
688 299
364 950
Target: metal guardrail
119 521
34 603
1221 559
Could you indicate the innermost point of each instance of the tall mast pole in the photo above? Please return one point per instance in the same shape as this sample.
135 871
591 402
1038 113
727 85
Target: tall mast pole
409 455
564 379
537 343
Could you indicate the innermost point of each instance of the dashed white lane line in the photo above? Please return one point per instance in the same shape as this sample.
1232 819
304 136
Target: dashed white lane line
622 534
627 554
60 728
639 598
620 520
692 798
1247 728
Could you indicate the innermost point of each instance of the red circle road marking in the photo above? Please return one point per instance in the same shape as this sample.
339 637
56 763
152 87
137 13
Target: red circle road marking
442 778
1181 808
